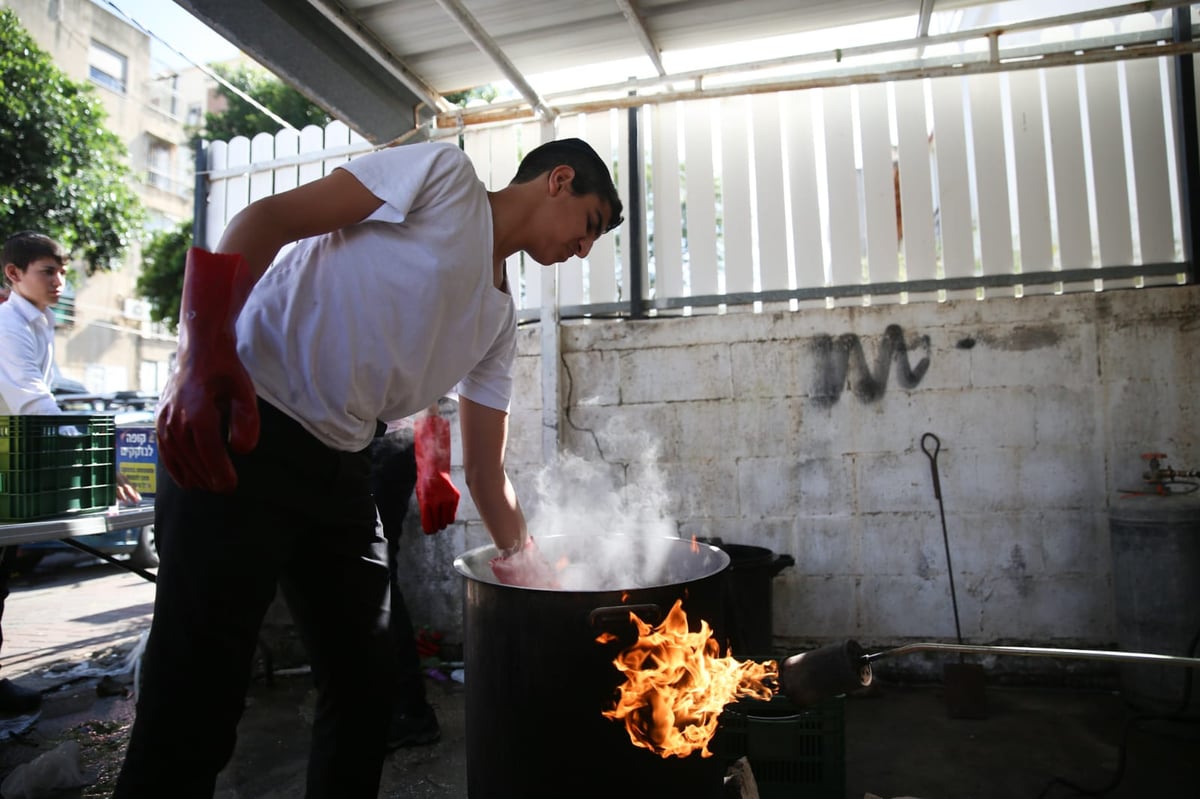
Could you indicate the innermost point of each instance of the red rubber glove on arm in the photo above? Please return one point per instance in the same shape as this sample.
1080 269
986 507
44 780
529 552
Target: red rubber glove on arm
526 568
209 402
436 494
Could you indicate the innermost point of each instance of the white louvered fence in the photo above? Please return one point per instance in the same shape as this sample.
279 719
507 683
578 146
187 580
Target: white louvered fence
1032 180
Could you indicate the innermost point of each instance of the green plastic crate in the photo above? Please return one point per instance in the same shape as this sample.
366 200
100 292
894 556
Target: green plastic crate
794 753
51 465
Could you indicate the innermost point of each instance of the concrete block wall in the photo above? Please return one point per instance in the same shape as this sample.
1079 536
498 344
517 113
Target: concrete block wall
801 432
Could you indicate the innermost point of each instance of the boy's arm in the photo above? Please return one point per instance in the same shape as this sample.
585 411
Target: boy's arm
485 433
210 400
484 438
21 381
260 229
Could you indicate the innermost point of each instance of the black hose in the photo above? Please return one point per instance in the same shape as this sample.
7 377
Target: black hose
1122 751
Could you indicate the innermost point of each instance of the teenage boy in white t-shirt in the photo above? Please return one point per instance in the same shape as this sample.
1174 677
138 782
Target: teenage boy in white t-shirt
34 275
394 295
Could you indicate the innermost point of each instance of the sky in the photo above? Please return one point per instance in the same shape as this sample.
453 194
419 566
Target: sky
168 22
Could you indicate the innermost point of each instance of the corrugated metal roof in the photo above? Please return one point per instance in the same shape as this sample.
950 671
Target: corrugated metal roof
383 65
541 36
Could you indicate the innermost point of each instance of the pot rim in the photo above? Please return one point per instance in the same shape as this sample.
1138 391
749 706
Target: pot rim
484 554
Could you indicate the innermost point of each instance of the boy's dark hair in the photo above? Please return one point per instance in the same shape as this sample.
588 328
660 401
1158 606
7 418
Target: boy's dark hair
591 173
28 246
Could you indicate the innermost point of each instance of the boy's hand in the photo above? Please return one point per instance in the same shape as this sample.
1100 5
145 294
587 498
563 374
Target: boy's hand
126 493
210 400
527 568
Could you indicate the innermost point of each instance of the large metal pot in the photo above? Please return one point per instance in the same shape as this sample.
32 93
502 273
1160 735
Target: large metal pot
537 680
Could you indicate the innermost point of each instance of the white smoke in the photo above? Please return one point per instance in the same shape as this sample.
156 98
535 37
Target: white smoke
615 513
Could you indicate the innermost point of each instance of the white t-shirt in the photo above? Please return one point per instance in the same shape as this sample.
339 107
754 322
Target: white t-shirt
378 320
26 357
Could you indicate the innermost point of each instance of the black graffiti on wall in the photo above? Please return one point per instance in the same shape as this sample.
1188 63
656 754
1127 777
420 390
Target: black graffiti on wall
842 365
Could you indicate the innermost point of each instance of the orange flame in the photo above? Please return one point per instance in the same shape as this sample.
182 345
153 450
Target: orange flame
676 685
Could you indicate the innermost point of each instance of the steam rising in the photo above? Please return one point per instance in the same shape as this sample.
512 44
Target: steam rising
615 513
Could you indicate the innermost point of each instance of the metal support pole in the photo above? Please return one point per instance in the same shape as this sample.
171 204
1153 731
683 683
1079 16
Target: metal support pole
82 547
637 260
553 410
200 196
1186 144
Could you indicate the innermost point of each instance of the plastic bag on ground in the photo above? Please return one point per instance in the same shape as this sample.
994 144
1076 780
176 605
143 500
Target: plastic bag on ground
46 775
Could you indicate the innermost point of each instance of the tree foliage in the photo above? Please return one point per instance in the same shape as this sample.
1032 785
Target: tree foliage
484 94
62 172
240 118
161 279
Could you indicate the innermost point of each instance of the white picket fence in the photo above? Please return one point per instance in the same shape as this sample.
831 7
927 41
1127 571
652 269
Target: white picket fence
1038 180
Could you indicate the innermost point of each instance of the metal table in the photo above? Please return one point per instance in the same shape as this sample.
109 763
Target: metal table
67 528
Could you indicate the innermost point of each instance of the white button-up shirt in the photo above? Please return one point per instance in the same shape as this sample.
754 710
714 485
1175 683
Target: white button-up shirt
26 357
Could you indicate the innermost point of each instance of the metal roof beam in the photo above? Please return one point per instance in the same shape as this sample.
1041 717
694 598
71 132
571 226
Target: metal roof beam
360 34
643 36
491 49
923 17
296 42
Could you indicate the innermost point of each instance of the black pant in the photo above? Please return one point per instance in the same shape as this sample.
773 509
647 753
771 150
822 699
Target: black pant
393 478
303 518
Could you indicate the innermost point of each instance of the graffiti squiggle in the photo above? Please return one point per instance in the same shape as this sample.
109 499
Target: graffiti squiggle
834 356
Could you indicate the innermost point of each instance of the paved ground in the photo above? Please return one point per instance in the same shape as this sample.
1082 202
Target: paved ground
66 628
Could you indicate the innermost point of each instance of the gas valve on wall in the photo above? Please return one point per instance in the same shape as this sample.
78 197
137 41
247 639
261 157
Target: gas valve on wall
1164 480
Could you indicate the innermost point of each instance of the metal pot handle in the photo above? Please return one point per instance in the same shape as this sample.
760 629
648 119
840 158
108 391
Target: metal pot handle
780 563
603 617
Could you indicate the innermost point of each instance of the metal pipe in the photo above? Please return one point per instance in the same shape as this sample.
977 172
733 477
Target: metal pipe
637 264
812 677
1038 651
841 54
1136 38
951 67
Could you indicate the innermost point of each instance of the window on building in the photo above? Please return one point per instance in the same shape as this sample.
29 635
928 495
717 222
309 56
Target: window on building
159 165
107 67
195 114
64 309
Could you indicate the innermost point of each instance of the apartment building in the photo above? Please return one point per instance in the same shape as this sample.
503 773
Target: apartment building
105 338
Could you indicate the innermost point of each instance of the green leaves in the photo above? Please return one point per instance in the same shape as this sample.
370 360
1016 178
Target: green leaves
61 171
161 280
242 119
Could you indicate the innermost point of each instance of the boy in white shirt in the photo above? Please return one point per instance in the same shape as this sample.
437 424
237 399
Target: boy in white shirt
394 295
34 268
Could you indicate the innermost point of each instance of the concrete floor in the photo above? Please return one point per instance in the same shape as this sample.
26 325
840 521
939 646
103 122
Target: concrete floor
899 741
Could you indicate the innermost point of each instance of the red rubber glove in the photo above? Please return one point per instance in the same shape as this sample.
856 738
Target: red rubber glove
526 568
436 495
209 401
